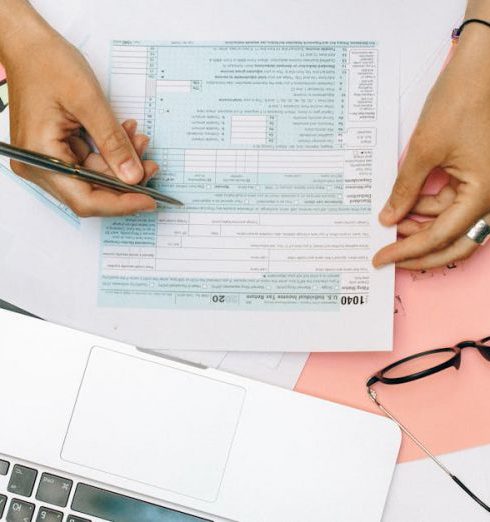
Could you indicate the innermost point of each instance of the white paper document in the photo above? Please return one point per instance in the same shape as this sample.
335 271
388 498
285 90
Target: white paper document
421 492
281 140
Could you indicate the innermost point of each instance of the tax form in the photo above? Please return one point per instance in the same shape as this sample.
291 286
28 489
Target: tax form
271 147
281 139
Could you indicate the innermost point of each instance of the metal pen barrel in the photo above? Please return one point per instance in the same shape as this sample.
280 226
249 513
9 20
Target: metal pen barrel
55 165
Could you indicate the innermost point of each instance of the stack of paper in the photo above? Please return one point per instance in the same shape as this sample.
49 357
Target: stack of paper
282 141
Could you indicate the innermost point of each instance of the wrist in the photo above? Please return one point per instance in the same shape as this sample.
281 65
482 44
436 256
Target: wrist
475 40
21 28
478 9
472 57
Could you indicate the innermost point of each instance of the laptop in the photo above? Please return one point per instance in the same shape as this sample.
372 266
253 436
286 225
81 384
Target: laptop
94 430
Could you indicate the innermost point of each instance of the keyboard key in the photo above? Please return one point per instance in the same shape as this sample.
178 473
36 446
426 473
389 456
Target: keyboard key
22 481
49 515
54 490
20 511
73 518
4 467
3 503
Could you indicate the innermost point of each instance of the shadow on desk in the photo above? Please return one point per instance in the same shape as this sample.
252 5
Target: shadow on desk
12 308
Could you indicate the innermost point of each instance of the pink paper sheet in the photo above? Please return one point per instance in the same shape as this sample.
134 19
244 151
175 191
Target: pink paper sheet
2 73
448 411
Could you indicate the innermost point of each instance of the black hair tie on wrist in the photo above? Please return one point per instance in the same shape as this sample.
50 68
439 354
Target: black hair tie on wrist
457 32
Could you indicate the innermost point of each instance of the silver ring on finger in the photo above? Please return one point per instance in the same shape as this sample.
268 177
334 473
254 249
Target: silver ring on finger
479 232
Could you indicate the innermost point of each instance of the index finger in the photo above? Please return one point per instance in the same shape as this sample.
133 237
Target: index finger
89 201
103 203
451 224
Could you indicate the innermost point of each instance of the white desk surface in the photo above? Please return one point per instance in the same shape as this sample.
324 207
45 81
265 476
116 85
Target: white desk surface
420 491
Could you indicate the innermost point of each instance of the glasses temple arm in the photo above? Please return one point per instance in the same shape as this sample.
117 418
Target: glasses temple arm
373 396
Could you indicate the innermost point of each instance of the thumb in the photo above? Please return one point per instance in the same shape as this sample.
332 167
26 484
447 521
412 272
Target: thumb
112 141
411 178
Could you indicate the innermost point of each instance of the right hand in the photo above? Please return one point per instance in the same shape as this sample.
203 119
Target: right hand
453 133
53 95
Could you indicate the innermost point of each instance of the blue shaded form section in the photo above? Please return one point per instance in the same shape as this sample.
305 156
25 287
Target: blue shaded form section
293 93
244 126
273 292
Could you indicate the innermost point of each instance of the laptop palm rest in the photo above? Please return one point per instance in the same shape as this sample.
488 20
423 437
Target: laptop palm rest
154 424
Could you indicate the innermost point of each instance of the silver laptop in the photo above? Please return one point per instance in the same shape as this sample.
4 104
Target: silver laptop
94 430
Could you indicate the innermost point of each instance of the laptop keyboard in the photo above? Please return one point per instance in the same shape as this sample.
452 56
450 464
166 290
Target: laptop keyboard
30 494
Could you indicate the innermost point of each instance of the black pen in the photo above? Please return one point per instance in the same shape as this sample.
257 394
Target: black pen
75 171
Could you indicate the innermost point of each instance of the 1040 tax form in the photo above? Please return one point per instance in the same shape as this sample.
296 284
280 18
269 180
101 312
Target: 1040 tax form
271 148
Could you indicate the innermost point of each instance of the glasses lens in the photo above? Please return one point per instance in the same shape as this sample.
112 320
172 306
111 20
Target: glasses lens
423 362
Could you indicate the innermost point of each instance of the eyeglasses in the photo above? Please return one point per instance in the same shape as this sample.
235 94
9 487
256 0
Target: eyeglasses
422 365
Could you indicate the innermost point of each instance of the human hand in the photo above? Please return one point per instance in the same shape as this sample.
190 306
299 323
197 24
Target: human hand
453 133
53 94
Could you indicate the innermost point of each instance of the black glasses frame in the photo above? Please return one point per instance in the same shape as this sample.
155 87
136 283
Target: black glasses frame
453 362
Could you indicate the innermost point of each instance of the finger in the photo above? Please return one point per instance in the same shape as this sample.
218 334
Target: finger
103 203
459 250
96 162
141 142
87 201
80 148
41 177
111 139
435 204
130 127
151 168
409 227
37 176
411 178
446 228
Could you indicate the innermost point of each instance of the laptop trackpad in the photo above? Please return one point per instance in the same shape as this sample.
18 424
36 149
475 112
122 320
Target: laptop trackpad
149 422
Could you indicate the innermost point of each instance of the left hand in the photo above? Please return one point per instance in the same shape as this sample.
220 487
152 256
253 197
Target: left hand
53 94
453 133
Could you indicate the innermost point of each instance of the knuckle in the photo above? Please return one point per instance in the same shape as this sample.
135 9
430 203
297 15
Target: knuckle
437 240
401 189
475 191
20 169
480 190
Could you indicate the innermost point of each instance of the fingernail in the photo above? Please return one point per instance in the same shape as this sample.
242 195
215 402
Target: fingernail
131 171
376 262
149 209
144 147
